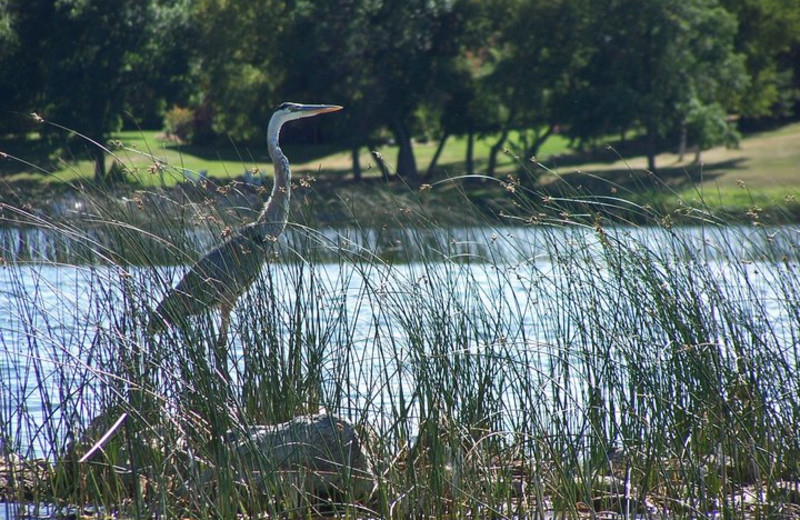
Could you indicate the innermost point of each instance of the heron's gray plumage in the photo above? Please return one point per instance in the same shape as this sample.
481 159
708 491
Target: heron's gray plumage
225 273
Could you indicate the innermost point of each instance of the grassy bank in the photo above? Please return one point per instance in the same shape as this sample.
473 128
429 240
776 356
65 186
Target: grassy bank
760 177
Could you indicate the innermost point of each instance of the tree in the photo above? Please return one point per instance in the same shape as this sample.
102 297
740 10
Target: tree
78 62
715 80
381 59
707 126
460 113
9 49
162 64
88 65
325 52
533 53
540 50
409 43
768 35
8 37
461 100
235 63
649 62
23 31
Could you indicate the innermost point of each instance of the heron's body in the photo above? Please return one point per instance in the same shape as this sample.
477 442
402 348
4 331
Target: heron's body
217 279
225 273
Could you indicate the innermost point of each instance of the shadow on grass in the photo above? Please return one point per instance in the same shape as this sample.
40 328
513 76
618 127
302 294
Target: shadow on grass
30 156
38 153
255 152
636 179
611 151
331 184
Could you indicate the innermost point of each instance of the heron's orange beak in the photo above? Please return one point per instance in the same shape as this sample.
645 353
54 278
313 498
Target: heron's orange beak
320 109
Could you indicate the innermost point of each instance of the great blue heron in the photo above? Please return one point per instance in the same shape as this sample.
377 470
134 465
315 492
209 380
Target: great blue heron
222 275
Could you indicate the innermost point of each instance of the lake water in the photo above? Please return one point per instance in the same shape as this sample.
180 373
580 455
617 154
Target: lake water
527 282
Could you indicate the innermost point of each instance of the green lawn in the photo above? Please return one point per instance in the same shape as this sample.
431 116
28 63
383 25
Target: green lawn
764 170
762 161
140 151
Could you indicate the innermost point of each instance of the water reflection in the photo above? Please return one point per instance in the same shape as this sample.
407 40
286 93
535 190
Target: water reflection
485 244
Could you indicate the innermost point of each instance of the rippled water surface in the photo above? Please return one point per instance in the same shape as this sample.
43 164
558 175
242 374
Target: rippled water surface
50 313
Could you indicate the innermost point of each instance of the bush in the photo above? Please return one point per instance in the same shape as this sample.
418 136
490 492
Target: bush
179 122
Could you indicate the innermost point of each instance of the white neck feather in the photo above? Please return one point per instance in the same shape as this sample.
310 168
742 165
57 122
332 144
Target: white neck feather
276 211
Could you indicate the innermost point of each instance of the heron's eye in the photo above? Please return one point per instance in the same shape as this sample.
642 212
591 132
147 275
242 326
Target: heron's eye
284 106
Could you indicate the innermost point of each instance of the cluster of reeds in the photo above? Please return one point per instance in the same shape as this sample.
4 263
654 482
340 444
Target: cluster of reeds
555 361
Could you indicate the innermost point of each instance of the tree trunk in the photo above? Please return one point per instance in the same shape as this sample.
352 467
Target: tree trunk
439 148
99 164
493 151
682 142
354 155
533 149
650 147
497 146
470 159
406 163
99 108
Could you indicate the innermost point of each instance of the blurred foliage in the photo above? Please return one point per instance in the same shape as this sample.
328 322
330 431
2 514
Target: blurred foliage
421 69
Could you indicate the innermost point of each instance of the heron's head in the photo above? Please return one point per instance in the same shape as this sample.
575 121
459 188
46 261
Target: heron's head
290 111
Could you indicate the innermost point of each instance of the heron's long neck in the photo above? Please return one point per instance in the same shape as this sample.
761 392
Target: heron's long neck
273 218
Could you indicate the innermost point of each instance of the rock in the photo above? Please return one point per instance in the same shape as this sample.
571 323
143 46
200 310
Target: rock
787 492
22 478
320 454
610 495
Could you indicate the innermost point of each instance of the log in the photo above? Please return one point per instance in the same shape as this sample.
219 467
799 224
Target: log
320 454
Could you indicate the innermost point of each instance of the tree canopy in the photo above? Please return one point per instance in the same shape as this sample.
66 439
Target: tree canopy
679 71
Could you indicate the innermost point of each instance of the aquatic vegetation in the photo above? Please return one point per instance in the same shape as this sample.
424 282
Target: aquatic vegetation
561 362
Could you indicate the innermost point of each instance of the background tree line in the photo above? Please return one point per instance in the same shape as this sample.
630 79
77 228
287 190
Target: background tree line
676 71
